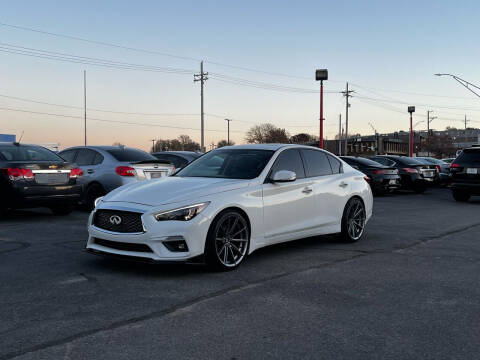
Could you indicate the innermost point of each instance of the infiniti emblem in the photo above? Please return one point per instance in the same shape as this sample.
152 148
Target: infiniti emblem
115 220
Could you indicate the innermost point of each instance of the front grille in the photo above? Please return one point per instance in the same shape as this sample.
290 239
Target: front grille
118 221
123 246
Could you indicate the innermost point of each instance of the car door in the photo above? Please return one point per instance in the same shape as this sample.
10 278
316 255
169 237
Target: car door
329 187
89 161
288 207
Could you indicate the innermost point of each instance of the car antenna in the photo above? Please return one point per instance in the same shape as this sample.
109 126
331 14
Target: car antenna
21 136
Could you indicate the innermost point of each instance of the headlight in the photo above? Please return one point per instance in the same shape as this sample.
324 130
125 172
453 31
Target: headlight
182 214
97 201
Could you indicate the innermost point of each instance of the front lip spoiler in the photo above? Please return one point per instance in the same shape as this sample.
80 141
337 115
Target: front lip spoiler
139 259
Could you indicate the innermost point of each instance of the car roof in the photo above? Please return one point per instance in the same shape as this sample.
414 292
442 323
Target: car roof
101 147
273 147
179 152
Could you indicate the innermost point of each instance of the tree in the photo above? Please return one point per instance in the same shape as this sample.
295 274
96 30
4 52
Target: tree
440 145
182 143
223 143
266 133
303 138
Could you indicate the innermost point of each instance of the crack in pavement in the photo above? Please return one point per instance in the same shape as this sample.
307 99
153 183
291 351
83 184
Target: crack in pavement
216 294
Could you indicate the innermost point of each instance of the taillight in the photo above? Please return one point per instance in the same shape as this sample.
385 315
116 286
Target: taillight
19 174
376 172
410 170
367 179
439 169
76 172
125 171
453 165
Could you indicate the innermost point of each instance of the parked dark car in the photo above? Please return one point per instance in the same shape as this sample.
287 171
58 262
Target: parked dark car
465 174
179 159
107 167
33 176
443 169
414 175
383 179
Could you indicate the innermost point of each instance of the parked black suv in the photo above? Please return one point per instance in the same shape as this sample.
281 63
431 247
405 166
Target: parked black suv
32 176
383 179
414 175
465 174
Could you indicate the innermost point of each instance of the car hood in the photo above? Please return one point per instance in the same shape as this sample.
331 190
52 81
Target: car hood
172 189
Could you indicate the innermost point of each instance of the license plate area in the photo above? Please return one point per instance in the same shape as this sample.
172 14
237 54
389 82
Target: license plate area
156 175
52 178
473 171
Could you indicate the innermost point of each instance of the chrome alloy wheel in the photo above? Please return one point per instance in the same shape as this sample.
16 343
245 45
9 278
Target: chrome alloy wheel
231 239
356 220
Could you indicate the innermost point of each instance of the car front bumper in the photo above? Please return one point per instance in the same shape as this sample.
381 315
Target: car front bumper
154 243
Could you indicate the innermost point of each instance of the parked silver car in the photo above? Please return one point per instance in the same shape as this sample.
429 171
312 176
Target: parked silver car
107 167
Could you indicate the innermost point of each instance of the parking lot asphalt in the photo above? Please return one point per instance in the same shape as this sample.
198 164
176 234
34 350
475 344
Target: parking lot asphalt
409 289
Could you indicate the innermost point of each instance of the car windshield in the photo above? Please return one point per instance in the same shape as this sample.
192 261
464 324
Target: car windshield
228 164
130 155
27 153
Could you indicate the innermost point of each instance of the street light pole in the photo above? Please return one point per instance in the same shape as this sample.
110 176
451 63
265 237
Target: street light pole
228 130
411 110
320 75
463 82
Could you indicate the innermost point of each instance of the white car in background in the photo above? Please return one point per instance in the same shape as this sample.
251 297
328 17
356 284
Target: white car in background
231 202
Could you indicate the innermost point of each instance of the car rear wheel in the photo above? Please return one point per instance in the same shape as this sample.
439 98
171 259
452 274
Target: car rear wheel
460 195
228 241
93 192
62 210
353 220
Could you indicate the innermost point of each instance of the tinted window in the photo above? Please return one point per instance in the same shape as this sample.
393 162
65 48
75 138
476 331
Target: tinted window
468 156
289 160
384 161
28 153
68 155
228 163
316 163
335 164
98 158
177 161
85 157
130 155
361 161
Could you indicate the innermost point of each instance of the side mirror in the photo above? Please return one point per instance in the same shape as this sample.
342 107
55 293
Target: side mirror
284 176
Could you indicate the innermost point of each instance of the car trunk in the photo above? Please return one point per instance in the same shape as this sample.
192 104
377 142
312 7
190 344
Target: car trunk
46 173
428 172
151 169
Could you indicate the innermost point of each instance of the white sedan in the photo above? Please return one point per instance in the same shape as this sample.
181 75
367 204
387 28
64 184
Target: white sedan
231 202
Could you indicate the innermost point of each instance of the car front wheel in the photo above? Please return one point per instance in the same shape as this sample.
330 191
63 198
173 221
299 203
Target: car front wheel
227 241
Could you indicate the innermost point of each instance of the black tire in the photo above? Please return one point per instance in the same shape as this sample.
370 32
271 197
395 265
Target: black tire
62 210
93 192
353 220
228 241
460 196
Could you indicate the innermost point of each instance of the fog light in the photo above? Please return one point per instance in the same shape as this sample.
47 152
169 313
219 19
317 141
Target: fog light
176 245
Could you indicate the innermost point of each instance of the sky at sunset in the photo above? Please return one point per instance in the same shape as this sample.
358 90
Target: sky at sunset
387 50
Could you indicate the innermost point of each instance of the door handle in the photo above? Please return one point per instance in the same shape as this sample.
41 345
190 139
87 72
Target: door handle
307 190
343 185
90 171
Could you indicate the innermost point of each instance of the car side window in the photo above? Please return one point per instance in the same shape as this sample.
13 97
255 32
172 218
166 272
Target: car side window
68 155
289 160
382 161
335 164
316 163
98 159
85 157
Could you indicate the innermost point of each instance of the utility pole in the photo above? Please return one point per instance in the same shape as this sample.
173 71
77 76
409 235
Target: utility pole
429 120
153 145
228 130
85 103
339 134
346 93
202 77
376 138
466 122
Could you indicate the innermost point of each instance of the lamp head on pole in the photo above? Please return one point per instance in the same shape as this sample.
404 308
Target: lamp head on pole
411 109
321 74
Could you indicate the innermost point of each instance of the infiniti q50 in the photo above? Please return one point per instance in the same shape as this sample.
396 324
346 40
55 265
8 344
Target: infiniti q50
230 202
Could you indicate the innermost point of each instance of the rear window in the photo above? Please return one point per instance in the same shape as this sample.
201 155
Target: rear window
28 153
130 155
361 161
468 156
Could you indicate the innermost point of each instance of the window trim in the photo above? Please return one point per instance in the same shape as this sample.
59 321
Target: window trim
326 156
